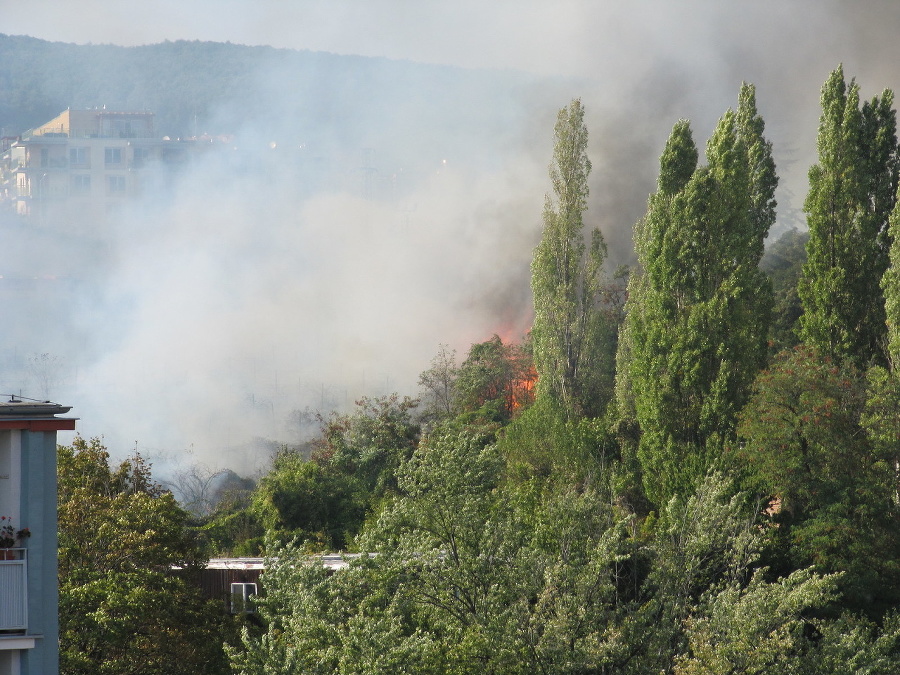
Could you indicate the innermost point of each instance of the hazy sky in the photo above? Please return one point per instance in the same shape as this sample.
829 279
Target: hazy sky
570 37
547 37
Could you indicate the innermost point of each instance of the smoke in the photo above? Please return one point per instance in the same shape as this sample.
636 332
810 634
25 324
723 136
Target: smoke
318 256
367 210
235 311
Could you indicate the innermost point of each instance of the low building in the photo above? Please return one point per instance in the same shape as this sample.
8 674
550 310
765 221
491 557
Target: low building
234 581
231 581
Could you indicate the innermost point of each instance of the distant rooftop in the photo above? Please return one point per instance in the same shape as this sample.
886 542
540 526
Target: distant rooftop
331 561
97 123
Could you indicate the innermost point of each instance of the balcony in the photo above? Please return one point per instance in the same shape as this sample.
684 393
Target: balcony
13 594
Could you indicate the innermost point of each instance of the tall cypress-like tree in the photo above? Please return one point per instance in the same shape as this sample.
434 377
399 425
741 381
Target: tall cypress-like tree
763 178
677 164
882 415
890 285
572 343
697 315
852 191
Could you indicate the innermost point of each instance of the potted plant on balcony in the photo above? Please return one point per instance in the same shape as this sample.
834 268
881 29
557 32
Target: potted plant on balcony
9 537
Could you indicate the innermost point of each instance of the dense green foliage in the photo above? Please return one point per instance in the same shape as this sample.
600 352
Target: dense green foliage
122 607
805 442
483 578
326 500
852 191
783 262
698 310
890 285
573 340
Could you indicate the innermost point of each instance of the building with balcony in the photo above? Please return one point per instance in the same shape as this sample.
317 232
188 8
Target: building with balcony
29 592
83 164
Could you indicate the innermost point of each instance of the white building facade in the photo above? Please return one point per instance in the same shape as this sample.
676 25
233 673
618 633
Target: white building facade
83 164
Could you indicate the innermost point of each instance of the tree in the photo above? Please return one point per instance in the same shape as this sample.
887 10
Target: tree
852 191
370 443
697 315
573 344
123 607
759 627
473 575
705 604
493 384
326 499
852 644
438 385
890 286
47 371
195 487
882 415
763 178
783 262
418 606
309 500
804 446
677 164
495 381
469 578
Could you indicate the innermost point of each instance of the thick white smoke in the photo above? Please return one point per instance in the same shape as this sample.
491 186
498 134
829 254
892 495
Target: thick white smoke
243 298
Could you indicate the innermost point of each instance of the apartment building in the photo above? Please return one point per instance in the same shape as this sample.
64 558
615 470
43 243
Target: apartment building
29 591
83 164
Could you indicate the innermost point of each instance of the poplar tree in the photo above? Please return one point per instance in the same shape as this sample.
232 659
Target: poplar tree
677 164
881 419
852 190
571 352
890 285
697 315
763 178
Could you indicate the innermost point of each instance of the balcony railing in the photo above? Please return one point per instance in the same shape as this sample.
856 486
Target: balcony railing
13 594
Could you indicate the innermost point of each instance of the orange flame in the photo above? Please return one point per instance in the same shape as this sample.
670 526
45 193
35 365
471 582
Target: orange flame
521 391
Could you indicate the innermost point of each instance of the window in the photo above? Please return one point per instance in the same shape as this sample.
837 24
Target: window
116 184
242 598
141 155
113 156
79 156
122 129
81 183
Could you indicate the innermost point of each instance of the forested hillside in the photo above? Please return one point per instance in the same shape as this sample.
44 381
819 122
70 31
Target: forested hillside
687 467
218 88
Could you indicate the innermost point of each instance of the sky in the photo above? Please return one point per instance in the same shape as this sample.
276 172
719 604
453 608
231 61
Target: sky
564 37
244 334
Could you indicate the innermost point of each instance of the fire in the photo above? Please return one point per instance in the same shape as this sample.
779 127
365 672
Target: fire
502 373
522 390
